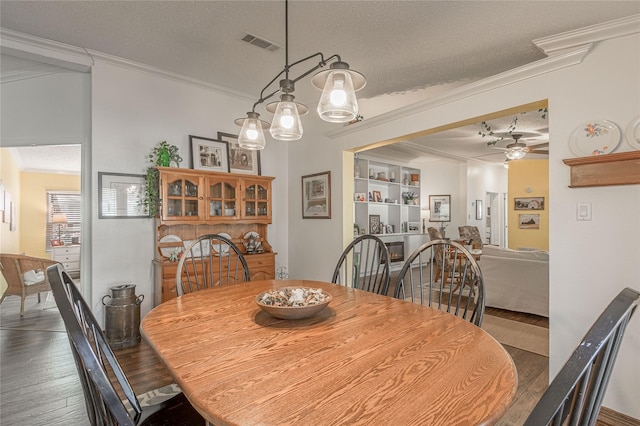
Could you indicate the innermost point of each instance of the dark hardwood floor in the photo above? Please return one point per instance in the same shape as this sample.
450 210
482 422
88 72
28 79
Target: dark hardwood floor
39 382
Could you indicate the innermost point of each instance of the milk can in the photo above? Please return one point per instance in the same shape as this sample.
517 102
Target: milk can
122 316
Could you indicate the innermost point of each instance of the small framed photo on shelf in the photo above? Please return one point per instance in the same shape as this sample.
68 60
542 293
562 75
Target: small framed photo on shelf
316 196
241 160
209 154
377 196
360 197
413 227
374 223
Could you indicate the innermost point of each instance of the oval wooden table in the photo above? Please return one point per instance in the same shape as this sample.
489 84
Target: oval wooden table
366 359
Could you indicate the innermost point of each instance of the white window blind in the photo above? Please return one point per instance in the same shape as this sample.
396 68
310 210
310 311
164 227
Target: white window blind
69 204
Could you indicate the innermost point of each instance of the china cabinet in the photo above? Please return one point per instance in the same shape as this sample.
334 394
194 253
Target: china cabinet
196 202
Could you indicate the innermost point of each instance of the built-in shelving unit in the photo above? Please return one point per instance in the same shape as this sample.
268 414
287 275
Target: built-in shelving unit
379 191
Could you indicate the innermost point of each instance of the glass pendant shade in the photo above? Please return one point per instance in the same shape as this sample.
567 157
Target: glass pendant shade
251 134
516 153
338 103
286 124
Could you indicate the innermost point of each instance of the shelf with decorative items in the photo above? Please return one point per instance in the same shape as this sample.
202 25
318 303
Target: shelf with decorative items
386 197
197 202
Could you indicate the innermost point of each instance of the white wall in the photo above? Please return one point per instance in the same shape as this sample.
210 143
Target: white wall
586 266
52 109
483 178
132 111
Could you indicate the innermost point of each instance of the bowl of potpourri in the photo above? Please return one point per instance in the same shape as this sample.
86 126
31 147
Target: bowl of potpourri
293 302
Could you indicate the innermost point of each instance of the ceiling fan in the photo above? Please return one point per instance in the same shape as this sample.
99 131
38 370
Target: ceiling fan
517 150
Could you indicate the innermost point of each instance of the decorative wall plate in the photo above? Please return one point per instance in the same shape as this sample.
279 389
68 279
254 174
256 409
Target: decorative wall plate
595 137
632 133
166 251
222 248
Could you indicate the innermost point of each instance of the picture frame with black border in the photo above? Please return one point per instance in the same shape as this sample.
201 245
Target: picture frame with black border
440 208
121 196
374 224
209 154
241 160
316 196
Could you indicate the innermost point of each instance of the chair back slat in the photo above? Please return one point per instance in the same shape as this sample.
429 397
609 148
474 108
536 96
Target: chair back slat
444 275
93 356
210 260
575 395
365 265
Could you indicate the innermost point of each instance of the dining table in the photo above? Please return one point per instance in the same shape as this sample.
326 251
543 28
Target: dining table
365 359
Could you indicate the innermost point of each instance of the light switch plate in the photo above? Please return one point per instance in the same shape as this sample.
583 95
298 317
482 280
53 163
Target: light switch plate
583 211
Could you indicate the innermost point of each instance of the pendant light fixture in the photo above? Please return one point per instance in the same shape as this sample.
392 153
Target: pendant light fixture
338 102
517 150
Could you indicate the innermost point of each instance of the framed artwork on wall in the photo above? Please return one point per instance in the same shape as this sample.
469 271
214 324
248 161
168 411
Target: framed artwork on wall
209 154
120 195
528 203
440 208
241 160
529 221
316 196
478 209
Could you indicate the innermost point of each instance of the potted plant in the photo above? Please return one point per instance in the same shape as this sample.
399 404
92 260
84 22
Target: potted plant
162 155
409 197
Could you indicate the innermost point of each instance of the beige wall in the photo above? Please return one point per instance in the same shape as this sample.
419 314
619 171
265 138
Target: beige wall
10 175
33 208
528 178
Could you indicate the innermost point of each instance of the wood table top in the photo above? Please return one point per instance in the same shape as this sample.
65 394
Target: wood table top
365 359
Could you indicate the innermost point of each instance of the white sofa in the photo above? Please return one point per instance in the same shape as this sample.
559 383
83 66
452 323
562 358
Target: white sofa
516 280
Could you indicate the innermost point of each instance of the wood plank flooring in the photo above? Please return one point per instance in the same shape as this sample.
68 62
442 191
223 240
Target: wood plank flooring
39 382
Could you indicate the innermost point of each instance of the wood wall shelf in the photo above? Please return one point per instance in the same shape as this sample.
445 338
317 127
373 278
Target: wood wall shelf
604 170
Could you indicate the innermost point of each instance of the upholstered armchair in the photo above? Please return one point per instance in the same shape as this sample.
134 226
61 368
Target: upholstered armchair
24 275
471 233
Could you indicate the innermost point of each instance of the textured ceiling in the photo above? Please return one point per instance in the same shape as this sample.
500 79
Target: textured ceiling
410 47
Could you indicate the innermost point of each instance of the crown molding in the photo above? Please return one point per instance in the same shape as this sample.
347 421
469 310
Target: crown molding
76 58
543 66
564 50
588 35
137 66
46 140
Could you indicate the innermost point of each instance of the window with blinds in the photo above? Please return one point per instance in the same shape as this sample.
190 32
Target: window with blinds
64 217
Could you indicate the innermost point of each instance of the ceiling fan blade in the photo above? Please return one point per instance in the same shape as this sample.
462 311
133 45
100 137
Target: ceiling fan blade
538 151
539 145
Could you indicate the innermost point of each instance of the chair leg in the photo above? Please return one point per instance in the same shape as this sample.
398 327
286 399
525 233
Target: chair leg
3 296
39 300
22 305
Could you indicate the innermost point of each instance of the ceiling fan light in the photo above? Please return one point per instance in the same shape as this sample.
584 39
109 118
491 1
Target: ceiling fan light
251 134
516 153
286 124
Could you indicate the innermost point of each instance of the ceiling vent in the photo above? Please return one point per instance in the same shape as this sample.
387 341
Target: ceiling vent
260 42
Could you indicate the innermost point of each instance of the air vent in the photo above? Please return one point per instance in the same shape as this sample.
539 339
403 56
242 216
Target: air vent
260 42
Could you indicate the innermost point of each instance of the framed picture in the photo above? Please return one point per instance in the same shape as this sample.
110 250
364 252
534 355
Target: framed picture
377 197
440 207
531 203
413 227
120 195
209 154
374 223
529 221
360 197
241 160
316 196
478 209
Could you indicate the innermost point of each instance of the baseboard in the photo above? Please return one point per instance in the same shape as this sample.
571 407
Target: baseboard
608 417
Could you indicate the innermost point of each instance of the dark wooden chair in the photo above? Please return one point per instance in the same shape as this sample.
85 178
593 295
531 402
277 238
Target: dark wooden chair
459 292
575 395
100 373
364 265
14 266
208 261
